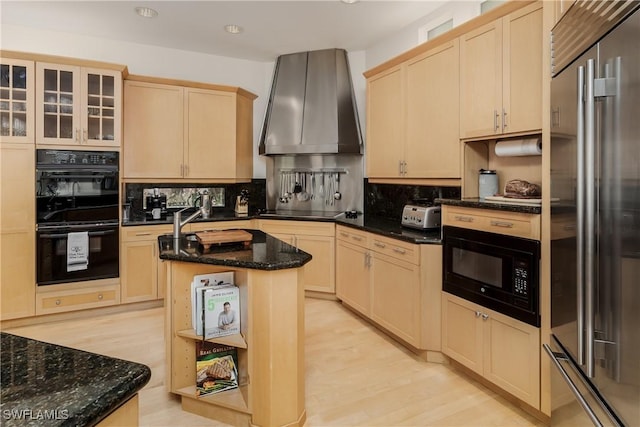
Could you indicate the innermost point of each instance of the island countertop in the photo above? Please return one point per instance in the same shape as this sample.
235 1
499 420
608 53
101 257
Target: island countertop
264 253
45 384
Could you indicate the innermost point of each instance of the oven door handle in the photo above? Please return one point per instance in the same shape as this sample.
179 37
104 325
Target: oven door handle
91 234
77 226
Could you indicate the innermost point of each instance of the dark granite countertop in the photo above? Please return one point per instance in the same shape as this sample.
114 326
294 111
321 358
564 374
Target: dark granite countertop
264 253
45 384
393 229
476 202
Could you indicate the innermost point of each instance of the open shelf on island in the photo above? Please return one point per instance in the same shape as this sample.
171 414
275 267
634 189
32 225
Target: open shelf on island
235 340
232 399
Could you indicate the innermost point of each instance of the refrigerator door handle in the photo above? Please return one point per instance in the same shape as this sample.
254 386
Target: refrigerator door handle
580 184
556 358
590 218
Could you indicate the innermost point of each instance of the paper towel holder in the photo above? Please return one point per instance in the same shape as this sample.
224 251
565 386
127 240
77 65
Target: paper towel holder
518 147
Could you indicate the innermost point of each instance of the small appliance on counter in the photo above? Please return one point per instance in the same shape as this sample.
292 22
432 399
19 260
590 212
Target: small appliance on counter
421 217
156 205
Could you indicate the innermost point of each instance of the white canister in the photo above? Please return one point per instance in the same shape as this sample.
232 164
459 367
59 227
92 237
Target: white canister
487 183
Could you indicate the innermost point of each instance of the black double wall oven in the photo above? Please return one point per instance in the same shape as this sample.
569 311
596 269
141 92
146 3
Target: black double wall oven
496 271
77 195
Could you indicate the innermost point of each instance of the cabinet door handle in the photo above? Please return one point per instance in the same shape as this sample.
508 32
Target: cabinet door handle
504 119
380 245
344 234
502 224
404 167
399 167
478 314
463 218
58 302
85 136
100 296
143 234
358 238
485 316
496 126
77 138
399 251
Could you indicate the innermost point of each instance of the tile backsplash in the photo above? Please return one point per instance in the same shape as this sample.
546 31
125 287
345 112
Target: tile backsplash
387 200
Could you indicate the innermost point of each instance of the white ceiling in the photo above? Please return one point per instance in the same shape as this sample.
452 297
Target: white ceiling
271 28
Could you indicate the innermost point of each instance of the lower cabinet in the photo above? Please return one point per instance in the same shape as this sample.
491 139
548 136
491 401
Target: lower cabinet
392 283
503 350
139 263
77 296
315 238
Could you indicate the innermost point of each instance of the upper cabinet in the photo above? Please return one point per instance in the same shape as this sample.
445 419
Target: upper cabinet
412 122
501 76
17 91
192 133
78 105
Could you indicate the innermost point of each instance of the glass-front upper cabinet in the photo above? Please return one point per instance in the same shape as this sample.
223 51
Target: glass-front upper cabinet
77 105
16 100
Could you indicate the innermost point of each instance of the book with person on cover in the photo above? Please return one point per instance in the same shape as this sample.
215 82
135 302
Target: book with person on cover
199 282
220 311
216 368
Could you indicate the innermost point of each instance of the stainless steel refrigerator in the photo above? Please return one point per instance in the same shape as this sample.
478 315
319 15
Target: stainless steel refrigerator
595 225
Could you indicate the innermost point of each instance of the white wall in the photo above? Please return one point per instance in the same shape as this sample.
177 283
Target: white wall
460 11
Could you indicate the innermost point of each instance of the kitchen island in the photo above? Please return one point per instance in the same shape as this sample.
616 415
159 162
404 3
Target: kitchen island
270 346
50 385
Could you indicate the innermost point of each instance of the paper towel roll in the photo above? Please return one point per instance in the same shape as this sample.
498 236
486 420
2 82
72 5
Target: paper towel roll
519 147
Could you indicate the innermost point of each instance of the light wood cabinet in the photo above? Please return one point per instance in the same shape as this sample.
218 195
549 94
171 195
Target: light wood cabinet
391 282
78 105
17 230
501 76
17 97
353 261
180 132
140 267
77 296
560 7
315 238
503 350
516 224
413 118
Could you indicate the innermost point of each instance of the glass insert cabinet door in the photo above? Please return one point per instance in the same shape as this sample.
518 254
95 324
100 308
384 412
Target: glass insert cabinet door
16 100
77 105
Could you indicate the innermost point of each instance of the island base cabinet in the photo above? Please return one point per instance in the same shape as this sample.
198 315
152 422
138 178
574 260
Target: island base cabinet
503 350
270 349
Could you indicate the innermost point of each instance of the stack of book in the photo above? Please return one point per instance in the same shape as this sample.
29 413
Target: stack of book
215 302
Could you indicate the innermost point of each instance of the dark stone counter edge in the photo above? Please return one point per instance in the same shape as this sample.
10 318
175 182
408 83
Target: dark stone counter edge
108 402
240 263
476 202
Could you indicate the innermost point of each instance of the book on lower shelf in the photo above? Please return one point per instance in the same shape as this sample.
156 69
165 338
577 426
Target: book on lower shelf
216 368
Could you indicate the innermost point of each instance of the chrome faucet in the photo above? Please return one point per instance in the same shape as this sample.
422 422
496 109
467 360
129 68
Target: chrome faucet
178 223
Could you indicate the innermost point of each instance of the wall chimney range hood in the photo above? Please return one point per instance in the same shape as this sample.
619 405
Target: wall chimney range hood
311 108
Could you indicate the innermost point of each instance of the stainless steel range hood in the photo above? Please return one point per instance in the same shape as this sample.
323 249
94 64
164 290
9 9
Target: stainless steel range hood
311 108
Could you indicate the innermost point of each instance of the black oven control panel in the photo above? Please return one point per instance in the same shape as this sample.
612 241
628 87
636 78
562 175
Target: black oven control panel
76 158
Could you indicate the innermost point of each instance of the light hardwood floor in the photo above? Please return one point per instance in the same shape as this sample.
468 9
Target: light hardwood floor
356 375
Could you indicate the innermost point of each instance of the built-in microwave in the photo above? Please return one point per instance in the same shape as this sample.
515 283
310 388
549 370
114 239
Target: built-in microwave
497 271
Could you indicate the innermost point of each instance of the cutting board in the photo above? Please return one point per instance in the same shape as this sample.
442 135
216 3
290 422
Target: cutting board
519 202
218 237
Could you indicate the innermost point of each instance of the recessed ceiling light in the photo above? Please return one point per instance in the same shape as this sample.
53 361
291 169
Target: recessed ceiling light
233 29
146 12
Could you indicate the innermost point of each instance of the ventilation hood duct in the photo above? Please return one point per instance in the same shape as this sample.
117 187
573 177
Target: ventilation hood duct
311 108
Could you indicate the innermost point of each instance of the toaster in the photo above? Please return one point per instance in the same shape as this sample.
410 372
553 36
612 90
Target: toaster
421 217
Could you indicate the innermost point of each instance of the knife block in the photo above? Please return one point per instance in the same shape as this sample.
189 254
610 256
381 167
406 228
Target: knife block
242 206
